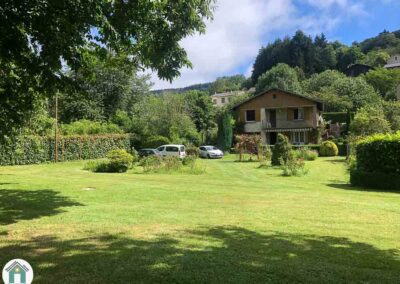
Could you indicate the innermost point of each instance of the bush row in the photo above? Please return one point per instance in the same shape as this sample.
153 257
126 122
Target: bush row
25 150
377 162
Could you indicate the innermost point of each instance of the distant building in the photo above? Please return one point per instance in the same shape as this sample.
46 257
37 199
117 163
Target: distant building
223 99
358 69
393 62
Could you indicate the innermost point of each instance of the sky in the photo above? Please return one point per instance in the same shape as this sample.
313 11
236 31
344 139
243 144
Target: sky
241 27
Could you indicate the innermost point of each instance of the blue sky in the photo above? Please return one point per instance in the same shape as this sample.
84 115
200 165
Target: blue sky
241 27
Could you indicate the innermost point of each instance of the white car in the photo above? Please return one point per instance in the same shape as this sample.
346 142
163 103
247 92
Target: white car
172 150
211 152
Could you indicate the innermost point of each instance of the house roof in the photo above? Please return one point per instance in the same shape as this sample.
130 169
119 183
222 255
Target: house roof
227 94
360 64
393 65
320 104
14 264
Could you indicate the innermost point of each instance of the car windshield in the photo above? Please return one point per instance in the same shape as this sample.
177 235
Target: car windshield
209 148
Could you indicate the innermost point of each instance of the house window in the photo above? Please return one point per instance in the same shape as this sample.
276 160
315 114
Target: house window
222 100
214 101
298 138
299 114
250 115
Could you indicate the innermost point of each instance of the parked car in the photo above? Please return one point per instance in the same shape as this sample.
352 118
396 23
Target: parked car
211 152
172 150
148 152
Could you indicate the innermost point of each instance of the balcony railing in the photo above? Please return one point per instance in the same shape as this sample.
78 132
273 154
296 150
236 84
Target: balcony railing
267 124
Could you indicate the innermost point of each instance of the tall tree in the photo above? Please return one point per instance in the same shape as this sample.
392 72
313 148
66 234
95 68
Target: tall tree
40 37
225 130
282 77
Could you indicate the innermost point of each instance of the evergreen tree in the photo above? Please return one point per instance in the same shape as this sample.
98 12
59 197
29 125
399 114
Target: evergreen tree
225 131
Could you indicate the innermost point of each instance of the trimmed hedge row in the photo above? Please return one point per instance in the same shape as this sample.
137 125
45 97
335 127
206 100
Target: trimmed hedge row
379 153
378 162
375 180
26 150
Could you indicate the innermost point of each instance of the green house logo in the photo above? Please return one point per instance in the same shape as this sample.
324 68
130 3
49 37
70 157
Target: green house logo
17 271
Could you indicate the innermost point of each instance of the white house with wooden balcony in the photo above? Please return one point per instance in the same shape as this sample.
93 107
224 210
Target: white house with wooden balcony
277 111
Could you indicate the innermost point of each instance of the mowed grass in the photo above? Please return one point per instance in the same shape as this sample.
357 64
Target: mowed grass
233 224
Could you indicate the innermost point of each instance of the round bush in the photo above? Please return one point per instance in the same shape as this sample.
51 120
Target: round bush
119 161
192 150
328 149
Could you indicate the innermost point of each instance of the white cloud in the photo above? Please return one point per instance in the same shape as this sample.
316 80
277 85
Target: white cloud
240 27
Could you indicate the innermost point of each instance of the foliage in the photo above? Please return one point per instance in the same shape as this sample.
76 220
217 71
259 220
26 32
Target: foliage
385 81
376 180
378 163
282 77
328 149
225 130
202 112
104 86
248 144
189 160
164 115
379 153
293 166
281 150
22 150
384 40
376 58
336 117
156 141
192 150
151 163
225 84
119 160
87 127
369 120
392 114
306 154
42 39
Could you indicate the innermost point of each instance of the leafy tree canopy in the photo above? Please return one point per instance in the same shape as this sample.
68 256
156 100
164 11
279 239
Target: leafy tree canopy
282 77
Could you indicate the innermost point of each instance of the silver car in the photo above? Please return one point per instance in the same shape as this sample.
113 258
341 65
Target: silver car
211 152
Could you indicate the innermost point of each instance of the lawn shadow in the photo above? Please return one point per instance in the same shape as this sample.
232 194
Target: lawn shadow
348 186
213 255
336 161
16 205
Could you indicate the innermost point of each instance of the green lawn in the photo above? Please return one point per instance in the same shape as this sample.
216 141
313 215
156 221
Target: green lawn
235 223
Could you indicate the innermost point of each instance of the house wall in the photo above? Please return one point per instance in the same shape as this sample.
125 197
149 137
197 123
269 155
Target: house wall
284 105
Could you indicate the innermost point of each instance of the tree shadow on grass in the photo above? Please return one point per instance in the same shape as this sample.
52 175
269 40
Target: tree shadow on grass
348 186
16 205
214 255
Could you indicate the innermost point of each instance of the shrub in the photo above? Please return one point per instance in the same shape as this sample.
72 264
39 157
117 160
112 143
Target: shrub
156 141
379 153
172 163
375 180
189 160
377 162
24 150
293 166
151 163
328 149
119 161
192 150
99 166
306 154
281 150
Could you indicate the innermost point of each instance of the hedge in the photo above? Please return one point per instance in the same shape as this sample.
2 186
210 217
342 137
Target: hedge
378 162
379 153
25 150
375 180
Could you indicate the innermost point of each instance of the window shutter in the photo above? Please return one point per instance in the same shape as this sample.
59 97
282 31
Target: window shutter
290 114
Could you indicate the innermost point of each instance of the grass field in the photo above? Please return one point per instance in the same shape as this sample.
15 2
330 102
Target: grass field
233 224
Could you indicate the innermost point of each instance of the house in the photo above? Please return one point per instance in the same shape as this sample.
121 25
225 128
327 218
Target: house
17 273
277 111
393 62
358 69
223 99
